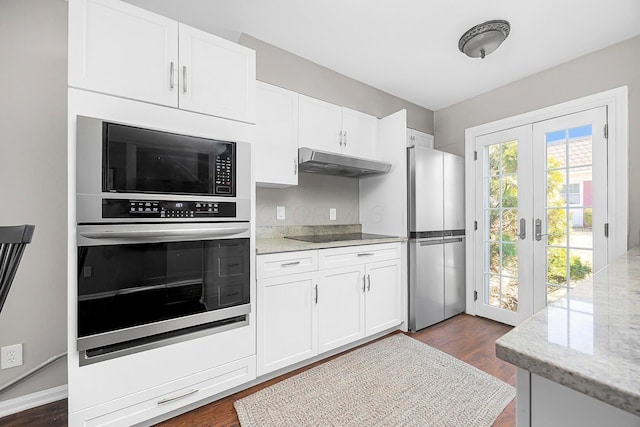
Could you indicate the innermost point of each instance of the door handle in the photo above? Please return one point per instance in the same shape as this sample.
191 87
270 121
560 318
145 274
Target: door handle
523 229
364 284
288 264
171 76
184 79
538 226
368 282
316 299
180 396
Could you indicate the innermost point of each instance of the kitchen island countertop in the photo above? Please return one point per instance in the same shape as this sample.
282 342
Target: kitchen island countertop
589 340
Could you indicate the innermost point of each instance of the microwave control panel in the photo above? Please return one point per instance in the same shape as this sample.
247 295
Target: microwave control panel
224 173
129 208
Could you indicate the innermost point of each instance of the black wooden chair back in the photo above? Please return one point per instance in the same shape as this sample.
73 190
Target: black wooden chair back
12 243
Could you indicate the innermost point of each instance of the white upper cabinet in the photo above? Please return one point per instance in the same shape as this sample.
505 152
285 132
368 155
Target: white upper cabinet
420 139
119 49
123 50
328 127
217 77
320 124
359 132
275 150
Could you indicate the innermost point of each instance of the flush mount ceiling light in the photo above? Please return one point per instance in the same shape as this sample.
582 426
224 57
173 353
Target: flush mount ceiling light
484 38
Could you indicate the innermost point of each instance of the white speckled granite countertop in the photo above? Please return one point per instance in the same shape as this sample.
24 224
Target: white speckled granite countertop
590 340
271 239
282 244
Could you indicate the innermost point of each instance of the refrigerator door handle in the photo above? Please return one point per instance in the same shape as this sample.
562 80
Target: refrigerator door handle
523 229
433 242
459 239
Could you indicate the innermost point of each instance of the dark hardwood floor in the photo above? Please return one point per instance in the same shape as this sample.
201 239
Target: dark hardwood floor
468 338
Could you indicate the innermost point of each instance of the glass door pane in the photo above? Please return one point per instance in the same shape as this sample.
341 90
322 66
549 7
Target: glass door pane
570 185
501 213
569 245
504 160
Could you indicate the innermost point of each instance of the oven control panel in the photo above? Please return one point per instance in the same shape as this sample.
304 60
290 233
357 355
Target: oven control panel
169 209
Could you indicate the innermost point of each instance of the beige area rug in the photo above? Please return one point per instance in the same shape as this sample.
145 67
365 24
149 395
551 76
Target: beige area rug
397 381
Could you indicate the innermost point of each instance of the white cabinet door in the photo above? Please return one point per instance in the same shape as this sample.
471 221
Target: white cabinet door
286 321
217 77
123 50
340 307
382 296
420 139
320 125
275 150
359 133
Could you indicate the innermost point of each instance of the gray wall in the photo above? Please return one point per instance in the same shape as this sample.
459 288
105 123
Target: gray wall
282 68
309 202
606 69
33 184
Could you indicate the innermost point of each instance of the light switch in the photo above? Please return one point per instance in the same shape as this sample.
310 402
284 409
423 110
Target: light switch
280 212
332 214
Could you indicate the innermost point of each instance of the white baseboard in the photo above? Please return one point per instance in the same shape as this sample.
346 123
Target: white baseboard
32 400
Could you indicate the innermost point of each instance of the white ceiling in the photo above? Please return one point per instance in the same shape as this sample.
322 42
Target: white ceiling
409 48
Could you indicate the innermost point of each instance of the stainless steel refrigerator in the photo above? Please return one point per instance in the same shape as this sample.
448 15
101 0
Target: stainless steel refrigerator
436 236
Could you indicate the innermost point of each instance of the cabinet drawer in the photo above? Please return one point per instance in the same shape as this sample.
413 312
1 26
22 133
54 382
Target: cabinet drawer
169 397
280 264
352 255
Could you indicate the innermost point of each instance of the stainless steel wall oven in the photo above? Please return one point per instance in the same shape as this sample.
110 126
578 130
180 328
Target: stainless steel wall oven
163 232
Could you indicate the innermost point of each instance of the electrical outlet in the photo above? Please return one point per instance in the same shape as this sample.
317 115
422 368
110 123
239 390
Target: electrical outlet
280 212
11 356
332 214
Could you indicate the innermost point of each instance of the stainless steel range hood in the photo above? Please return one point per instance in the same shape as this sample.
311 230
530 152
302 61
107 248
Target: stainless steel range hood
323 162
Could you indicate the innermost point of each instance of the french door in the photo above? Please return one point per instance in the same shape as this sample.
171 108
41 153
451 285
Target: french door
541 206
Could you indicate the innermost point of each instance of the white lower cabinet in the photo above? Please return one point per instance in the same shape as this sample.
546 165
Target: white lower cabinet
340 306
301 315
287 331
383 296
155 402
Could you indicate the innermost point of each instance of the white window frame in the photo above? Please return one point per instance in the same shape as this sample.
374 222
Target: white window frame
616 101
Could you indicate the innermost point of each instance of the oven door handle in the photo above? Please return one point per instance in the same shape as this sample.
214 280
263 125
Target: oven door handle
162 233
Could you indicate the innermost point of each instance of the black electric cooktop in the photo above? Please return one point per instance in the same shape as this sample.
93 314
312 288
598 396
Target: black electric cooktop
325 238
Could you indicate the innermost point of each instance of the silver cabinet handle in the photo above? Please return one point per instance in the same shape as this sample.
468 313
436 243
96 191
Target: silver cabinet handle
364 284
366 254
172 75
316 299
295 166
538 225
340 138
523 229
184 79
289 264
345 138
180 396
368 282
